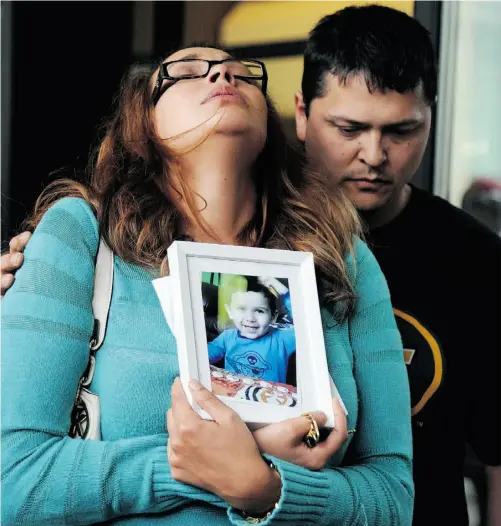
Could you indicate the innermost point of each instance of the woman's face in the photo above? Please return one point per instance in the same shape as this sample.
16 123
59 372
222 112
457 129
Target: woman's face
217 102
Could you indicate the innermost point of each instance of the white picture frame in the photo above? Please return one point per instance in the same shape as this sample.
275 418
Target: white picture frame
180 295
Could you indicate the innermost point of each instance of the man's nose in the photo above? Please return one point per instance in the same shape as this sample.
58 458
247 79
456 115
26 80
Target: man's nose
373 151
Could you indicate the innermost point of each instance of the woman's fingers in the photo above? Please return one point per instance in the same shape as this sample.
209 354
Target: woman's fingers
169 421
180 406
221 456
169 451
339 434
283 439
210 403
339 416
286 434
171 429
302 424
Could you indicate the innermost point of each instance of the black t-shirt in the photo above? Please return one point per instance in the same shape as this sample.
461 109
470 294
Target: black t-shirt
444 273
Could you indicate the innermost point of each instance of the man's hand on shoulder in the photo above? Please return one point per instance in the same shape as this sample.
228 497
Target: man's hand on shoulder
13 260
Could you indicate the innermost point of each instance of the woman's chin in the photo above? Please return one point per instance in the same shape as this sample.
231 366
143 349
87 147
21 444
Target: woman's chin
230 125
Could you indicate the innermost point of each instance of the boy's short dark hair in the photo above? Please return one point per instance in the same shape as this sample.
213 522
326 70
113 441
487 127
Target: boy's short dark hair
392 50
253 285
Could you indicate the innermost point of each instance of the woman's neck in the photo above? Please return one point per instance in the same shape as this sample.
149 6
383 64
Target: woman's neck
223 192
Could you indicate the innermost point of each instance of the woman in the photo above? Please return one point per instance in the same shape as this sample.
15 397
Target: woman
193 150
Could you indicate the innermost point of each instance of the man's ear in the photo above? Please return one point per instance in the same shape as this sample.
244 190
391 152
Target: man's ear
301 118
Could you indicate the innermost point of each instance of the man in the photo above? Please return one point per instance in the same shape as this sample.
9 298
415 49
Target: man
364 117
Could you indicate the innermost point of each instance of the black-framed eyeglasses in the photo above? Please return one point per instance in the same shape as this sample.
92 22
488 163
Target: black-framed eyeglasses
252 71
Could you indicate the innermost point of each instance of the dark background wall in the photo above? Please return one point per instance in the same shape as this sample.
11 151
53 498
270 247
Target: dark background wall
61 65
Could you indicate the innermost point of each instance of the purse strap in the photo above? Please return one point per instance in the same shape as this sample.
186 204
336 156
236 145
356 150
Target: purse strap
101 300
103 287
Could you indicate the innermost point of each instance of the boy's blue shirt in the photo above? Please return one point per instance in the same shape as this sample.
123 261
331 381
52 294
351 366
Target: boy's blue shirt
264 358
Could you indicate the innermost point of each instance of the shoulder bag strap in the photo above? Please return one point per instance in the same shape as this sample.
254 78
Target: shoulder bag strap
103 287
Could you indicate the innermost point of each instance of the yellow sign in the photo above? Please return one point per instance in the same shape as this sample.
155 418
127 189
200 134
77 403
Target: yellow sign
262 23
251 23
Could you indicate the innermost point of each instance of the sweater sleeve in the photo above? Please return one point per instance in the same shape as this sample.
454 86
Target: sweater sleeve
374 486
47 477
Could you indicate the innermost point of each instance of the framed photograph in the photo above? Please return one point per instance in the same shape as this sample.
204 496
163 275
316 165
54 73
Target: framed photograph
248 327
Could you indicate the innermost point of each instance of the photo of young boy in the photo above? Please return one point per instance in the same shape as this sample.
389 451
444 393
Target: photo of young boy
254 349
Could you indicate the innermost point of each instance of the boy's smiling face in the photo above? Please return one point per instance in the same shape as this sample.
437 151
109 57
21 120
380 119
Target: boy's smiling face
251 314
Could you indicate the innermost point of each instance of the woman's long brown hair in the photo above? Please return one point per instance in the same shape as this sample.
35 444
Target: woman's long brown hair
129 169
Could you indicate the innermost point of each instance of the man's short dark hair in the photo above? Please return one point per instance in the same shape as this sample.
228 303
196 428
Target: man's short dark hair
392 50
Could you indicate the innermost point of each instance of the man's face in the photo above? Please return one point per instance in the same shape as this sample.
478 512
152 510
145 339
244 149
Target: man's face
370 144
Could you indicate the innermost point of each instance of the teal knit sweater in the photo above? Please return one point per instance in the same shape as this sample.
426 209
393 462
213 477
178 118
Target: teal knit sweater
51 479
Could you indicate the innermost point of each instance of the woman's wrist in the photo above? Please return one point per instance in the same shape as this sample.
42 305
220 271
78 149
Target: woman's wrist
263 499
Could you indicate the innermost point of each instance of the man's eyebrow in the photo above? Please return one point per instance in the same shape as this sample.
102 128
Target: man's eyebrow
351 122
405 122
